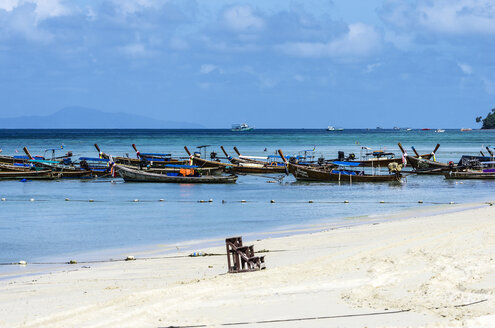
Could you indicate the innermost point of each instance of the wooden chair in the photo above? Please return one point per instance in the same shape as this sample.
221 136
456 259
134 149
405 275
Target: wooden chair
242 258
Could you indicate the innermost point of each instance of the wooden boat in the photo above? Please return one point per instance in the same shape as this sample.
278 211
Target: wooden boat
249 168
31 175
308 173
134 175
60 170
143 159
378 158
464 175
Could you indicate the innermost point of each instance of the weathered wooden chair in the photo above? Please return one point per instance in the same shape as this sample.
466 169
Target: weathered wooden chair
241 258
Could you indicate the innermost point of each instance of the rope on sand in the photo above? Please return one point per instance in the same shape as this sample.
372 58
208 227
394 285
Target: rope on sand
321 317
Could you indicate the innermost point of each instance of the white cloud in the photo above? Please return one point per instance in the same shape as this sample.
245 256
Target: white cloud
242 19
360 40
43 8
465 68
454 17
135 50
129 7
371 67
178 44
207 68
8 5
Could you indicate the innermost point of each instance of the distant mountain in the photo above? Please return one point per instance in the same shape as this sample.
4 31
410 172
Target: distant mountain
88 118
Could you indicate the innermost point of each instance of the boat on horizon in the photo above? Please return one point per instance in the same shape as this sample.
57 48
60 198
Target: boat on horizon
466 129
243 127
332 128
439 130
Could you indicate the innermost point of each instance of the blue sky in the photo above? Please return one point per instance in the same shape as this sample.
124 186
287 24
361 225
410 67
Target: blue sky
308 64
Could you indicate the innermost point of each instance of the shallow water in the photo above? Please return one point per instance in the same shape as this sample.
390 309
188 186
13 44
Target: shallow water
50 227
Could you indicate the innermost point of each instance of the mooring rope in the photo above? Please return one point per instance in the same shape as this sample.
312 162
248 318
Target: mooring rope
320 317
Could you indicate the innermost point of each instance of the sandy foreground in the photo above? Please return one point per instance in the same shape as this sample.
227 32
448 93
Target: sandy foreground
435 270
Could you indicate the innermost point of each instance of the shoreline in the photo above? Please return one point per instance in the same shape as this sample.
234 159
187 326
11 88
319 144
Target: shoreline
111 255
426 270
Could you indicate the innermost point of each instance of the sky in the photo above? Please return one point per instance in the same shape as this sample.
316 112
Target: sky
272 64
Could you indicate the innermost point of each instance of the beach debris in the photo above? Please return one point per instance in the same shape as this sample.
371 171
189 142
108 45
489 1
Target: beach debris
241 258
130 258
196 254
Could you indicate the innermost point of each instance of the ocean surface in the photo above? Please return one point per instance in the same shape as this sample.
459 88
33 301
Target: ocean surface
51 228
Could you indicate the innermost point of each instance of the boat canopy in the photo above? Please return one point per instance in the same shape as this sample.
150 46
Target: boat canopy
154 154
93 159
43 161
341 163
182 166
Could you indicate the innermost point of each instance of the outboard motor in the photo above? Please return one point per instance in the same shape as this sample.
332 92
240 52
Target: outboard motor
341 156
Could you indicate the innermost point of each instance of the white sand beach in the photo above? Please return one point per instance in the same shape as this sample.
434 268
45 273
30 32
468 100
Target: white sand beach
428 270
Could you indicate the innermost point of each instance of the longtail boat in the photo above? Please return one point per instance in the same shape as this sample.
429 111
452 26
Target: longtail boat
249 168
59 169
143 159
134 175
465 175
341 174
32 174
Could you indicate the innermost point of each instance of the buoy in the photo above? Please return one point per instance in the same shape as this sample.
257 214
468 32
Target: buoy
3 199
272 201
420 201
130 258
136 200
72 262
161 200
91 200
382 201
67 199
243 201
31 199
22 262
346 201
210 200
310 201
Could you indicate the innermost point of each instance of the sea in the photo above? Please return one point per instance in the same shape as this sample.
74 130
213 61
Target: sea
43 221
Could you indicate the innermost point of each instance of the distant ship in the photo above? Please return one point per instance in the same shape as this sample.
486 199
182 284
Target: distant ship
439 130
331 128
241 127
466 129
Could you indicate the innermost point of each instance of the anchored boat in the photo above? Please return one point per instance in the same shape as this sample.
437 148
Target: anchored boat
185 176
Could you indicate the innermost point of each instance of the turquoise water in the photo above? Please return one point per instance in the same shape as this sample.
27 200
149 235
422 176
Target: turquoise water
51 228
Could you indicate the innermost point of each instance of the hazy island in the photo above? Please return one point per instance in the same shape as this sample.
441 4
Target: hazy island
488 121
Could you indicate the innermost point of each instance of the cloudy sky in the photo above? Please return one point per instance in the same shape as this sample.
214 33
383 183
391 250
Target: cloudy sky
278 63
